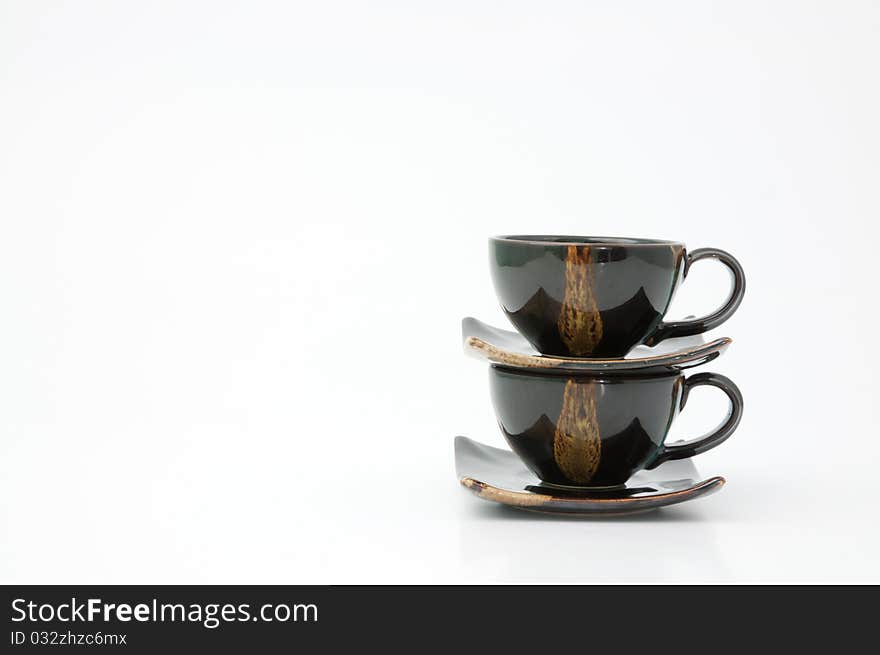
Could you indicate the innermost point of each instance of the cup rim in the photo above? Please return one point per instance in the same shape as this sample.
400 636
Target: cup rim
612 377
574 240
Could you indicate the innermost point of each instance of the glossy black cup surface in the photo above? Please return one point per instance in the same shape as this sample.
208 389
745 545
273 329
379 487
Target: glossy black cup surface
598 431
598 296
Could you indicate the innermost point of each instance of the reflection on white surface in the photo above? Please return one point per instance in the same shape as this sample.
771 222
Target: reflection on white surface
675 543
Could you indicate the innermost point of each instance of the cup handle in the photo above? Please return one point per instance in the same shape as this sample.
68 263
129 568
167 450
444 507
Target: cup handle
703 324
717 436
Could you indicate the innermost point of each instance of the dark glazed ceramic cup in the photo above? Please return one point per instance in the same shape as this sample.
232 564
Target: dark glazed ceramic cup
592 431
599 296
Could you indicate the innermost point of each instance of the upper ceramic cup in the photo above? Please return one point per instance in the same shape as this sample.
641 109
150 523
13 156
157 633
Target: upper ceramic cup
599 296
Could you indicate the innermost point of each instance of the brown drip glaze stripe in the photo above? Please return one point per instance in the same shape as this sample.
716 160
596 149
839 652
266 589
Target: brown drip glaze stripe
577 446
579 322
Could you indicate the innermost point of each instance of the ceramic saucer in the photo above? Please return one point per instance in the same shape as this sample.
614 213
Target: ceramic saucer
511 349
499 476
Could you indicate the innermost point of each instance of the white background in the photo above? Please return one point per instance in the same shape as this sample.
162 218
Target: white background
238 238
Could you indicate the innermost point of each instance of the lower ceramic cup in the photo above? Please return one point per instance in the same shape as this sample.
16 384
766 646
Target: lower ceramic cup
597 431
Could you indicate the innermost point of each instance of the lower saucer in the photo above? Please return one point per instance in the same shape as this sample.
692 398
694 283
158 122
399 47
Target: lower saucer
499 476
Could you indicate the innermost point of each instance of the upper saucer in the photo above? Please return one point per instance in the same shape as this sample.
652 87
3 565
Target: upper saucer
511 349
499 476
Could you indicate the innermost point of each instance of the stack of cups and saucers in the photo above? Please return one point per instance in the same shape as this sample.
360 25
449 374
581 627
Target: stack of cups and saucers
587 388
